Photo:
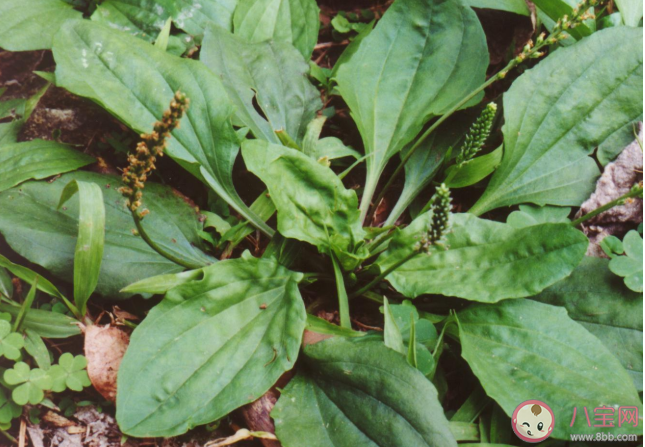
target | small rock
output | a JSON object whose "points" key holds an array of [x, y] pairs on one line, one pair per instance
{"points": [[617, 179]]}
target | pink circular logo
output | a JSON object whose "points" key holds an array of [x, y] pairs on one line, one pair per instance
{"points": [[533, 421]]}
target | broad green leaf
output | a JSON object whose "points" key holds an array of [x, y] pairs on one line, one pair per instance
{"points": [[630, 266], [37, 159], [273, 74], [420, 59], [631, 11], [31, 24], [522, 350], [357, 392], [427, 160], [90, 242], [293, 21], [135, 81], [35, 228], [474, 170], [558, 112], [484, 261], [145, 19], [529, 215], [391, 333], [598, 300], [514, 6], [36, 347], [252, 316], [45, 323], [312, 203]]}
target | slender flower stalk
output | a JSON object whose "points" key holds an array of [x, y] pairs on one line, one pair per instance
{"points": [[142, 162], [635, 192], [530, 51], [440, 204], [477, 135]]}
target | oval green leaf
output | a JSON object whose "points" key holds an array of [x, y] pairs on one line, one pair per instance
{"points": [[273, 74], [601, 303], [522, 350], [31, 24], [136, 81], [420, 59], [357, 392], [558, 112], [210, 347], [485, 261], [37, 159], [293, 21], [312, 202]]}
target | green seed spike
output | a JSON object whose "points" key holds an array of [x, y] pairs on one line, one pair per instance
{"points": [[477, 134], [440, 206]]}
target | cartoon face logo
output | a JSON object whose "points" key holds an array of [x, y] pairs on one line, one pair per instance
{"points": [[533, 421]]}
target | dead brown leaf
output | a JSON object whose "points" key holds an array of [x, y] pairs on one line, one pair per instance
{"points": [[104, 349]]}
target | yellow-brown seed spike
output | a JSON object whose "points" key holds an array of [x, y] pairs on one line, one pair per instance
{"points": [[152, 145]]}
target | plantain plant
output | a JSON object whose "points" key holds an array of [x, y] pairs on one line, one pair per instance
{"points": [[494, 298]]}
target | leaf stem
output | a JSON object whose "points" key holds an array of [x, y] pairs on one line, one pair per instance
{"points": [[380, 277], [635, 192], [9, 437], [343, 301], [157, 248]]}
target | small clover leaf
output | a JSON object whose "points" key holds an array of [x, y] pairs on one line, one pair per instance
{"points": [[31, 383], [69, 373], [630, 266], [8, 409], [612, 246], [10, 342]]}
